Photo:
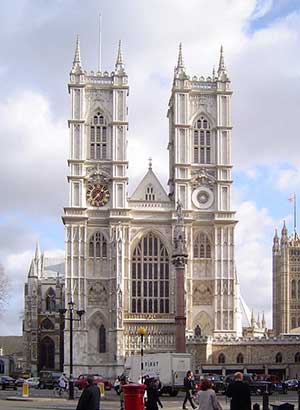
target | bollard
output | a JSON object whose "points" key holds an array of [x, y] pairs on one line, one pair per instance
{"points": [[102, 390], [265, 401], [134, 396], [25, 390], [298, 399]]}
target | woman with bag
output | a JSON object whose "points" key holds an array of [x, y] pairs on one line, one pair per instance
{"points": [[206, 398]]}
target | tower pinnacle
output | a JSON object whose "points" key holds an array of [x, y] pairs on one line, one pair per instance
{"points": [[222, 74], [77, 58], [119, 61], [180, 64]]}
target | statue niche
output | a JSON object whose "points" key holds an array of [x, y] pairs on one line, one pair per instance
{"points": [[97, 294], [203, 294]]}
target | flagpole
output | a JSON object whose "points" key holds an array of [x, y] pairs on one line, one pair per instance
{"points": [[295, 213]]}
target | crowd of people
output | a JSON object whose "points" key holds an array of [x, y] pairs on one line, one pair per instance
{"points": [[204, 399]]}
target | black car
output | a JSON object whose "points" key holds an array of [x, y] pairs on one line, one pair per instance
{"points": [[257, 387], [7, 382]]}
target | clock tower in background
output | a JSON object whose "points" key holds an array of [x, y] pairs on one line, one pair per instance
{"points": [[97, 200]]}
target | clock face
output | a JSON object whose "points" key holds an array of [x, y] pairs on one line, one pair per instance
{"points": [[97, 194], [202, 198]]}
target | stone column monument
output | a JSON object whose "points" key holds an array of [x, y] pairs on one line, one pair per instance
{"points": [[179, 260]]}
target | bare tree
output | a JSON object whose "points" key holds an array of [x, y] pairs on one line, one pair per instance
{"points": [[4, 288]]}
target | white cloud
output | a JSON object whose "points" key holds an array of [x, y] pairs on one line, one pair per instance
{"points": [[262, 8], [254, 234], [288, 179]]}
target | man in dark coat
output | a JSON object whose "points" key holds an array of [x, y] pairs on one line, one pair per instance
{"points": [[189, 389], [239, 392], [90, 397]]}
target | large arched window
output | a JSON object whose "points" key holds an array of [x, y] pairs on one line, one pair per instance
{"points": [[50, 300], [102, 339], [47, 350], [202, 246], [98, 137], [240, 358], [221, 358], [202, 141], [98, 246], [278, 358], [293, 289], [150, 276]]}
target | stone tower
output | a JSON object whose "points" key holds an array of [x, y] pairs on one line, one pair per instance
{"points": [[200, 171], [97, 201], [286, 283]]}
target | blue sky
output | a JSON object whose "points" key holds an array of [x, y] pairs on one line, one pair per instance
{"points": [[261, 42]]}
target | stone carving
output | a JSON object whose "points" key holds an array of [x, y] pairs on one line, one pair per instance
{"points": [[204, 103], [203, 294], [98, 174], [94, 97], [202, 178], [97, 293]]}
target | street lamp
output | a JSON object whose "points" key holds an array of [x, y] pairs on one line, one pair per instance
{"points": [[141, 333], [72, 319]]}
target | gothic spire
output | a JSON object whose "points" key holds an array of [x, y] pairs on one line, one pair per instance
{"points": [[263, 321], [284, 234], [276, 241], [180, 58], [119, 66], [37, 254], [77, 58], [119, 55], [222, 73]]}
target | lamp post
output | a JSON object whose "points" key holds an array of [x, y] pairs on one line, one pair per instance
{"points": [[72, 319], [141, 333]]}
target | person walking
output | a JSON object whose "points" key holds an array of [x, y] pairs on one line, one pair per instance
{"points": [[239, 392], [206, 397], [189, 389], [90, 397], [153, 395]]}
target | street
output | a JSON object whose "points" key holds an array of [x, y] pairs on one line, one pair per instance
{"points": [[45, 399]]}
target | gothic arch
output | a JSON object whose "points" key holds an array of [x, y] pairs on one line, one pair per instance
{"points": [[47, 353], [144, 232], [202, 245], [206, 115], [97, 333], [99, 108], [204, 321]]}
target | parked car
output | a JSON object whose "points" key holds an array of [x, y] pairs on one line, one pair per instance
{"points": [[33, 382], [280, 387], [48, 379], [81, 381], [257, 387], [217, 382], [7, 382], [292, 384], [19, 382]]}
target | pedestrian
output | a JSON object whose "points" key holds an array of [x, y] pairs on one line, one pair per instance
{"points": [[189, 389], [153, 395], [90, 397], [121, 390], [62, 383], [206, 397], [239, 392]]}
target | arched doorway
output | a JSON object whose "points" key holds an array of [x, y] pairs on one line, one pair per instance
{"points": [[47, 353]]}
